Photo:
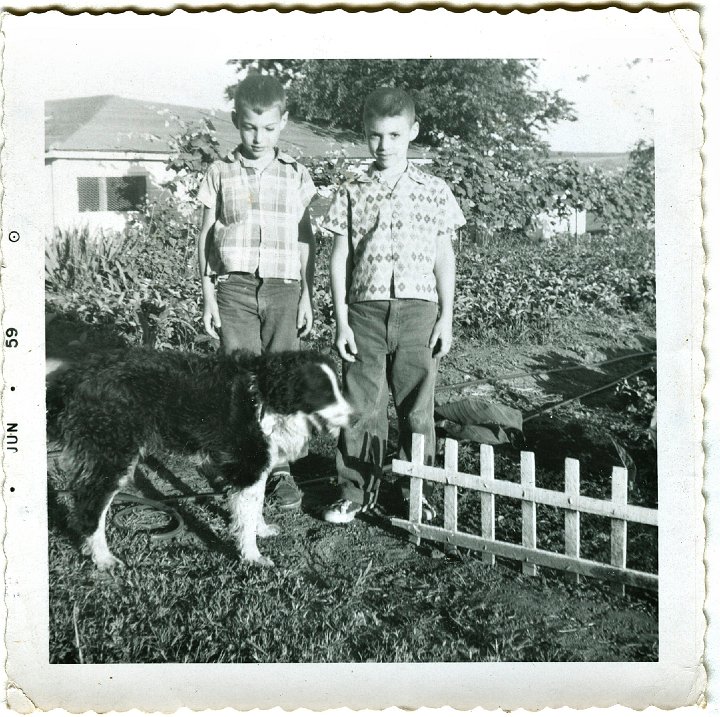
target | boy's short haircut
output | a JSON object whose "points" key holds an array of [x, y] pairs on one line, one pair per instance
{"points": [[260, 93], [389, 102]]}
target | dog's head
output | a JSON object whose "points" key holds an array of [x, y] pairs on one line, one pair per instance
{"points": [[303, 382]]}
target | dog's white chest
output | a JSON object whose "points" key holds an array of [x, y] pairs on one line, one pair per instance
{"points": [[287, 436]]}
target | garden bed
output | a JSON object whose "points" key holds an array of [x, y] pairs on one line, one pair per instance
{"points": [[363, 592]]}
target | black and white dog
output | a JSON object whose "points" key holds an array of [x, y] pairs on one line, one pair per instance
{"points": [[244, 413]]}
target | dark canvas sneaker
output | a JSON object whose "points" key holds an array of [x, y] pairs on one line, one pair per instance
{"points": [[282, 492], [342, 511]]}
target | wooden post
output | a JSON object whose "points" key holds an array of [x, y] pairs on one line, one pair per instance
{"points": [[450, 491], [618, 527], [487, 500], [418, 458], [572, 517], [529, 533]]}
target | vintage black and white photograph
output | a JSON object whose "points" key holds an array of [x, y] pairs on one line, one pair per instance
{"points": [[350, 359]]}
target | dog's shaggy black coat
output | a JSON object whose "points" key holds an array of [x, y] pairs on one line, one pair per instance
{"points": [[110, 409]]}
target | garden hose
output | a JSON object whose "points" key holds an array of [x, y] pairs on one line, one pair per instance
{"points": [[587, 393], [540, 372], [160, 505]]}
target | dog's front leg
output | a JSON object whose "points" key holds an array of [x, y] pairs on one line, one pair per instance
{"points": [[246, 508], [265, 530], [96, 544]]}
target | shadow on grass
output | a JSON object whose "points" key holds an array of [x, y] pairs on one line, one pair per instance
{"points": [[60, 518], [192, 523], [69, 338]]}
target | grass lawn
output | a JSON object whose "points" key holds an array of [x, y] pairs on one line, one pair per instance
{"points": [[362, 592]]}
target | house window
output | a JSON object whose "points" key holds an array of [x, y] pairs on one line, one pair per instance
{"points": [[111, 194]]}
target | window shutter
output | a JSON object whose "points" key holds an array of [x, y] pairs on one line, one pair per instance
{"points": [[88, 194]]}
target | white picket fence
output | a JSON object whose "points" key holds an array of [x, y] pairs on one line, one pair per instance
{"points": [[617, 509]]}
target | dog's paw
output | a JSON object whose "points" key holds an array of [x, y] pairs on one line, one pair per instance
{"points": [[268, 530], [261, 560], [265, 562], [108, 563]]}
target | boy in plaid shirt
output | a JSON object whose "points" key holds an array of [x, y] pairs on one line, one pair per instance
{"points": [[392, 272], [256, 245]]}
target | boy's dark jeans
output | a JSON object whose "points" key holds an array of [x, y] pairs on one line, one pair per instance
{"points": [[258, 315], [392, 341]]}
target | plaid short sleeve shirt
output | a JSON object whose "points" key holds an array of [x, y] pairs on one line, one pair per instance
{"points": [[394, 233], [256, 215]]}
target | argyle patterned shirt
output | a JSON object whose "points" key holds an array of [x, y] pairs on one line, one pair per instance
{"points": [[394, 233], [256, 215]]}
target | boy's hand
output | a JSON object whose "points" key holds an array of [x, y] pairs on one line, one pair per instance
{"points": [[304, 316], [345, 343], [211, 316], [441, 338]]}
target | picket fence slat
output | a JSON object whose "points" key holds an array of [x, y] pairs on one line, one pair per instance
{"points": [[450, 491], [529, 527], [570, 501], [572, 517], [631, 513], [545, 558], [618, 528], [487, 499], [416, 484]]}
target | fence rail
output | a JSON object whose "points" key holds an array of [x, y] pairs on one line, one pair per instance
{"points": [[573, 504]]}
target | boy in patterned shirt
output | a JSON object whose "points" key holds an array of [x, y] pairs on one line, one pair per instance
{"points": [[392, 272], [256, 245]]}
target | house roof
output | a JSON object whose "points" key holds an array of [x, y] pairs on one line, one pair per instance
{"points": [[118, 124]]}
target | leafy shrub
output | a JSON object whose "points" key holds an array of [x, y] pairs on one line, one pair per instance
{"points": [[519, 288], [638, 394], [145, 285], [143, 281], [625, 199], [504, 190], [75, 257], [145, 292]]}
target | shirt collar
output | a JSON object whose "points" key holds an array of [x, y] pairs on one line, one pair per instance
{"points": [[412, 172], [416, 174], [235, 156]]}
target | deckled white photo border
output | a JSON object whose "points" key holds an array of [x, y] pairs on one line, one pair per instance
{"points": [[673, 41]]}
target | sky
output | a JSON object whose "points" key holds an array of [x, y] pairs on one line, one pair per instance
{"points": [[613, 103], [612, 98]]}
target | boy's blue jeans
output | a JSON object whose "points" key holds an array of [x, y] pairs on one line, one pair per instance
{"points": [[392, 340], [258, 315]]}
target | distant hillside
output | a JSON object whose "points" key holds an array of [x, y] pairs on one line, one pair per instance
{"points": [[602, 160]]}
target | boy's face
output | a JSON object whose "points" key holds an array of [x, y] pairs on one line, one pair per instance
{"points": [[259, 133], [388, 139]]}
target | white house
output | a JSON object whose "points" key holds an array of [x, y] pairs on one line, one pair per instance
{"points": [[105, 155]]}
